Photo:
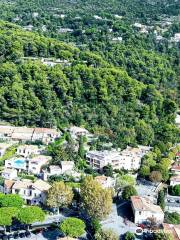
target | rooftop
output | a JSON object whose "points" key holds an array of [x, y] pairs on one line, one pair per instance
{"points": [[175, 178], [40, 158], [25, 183], [78, 129], [175, 167], [8, 183], [67, 163], [172, 229], [144, 204], [9, 170], [41, 185], [33, 147], [105, 153]]}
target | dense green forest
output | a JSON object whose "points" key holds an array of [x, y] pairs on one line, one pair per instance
{"points": [[112, 79]]}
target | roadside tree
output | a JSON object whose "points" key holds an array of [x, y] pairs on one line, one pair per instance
{"points": [[96, 200], [129, 236], [128, 191], [11, 200], [155, 176], [73, 227], [106, 235], [59, 195], [31, 214]]}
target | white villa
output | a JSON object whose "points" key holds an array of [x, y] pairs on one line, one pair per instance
{"points": [[32, 165], [77, 132], [99, 159], [144, 210], [66, 167], [32, 193], [9, 173], [27, 150], [36, 163]]}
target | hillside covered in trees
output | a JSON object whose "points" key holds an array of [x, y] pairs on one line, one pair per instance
{"points": [[125, 94]]}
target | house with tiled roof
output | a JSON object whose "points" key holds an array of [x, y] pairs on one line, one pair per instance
{"points": [[23, 134], [175, 180], [27, 150], [105, 182], [144, 210], [175, 169], [33, 193], [8, 186]]}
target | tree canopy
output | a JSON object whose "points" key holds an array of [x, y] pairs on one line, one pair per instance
{"points": [[96, 200], [73, 227]]}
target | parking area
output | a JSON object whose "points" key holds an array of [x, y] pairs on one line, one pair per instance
{"points": [[121, 218], [147, 189]]}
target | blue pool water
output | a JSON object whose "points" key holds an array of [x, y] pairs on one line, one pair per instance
{"points": [[19, 163]]}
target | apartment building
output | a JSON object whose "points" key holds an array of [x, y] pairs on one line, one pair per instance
{"points": [[129, 159], [99, 159]]}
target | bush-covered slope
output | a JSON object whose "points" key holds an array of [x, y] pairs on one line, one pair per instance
{"points": [[91, 91]]}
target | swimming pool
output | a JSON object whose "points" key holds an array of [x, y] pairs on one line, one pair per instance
{"points": [[19, 163]]}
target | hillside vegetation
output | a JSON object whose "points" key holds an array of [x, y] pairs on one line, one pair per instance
{"points": [[127, 104]]}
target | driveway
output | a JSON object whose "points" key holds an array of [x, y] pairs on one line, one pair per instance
{"points": [[120, 219]]}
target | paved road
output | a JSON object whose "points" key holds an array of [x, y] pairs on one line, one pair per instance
{"points": [[115, 220]]}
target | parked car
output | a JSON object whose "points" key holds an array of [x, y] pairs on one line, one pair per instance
{"points": [[22, 235], [27, 234], [16, 235]]}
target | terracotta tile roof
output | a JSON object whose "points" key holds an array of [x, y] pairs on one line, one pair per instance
{"points": [[23, 130], [6, 129], [175, 167], [26, 183], [40, 158], [175, 178], [8, 184], [45, 130], [22, 136], [172, 229], [144, 204], [41, 185]]}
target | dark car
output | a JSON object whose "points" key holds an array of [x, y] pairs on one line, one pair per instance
{"points": [[22, 235], [5, 237], [27, 234], [10, 236], [16, 236]]}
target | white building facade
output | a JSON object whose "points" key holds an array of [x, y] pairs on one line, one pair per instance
{"points": [[32, 193], [144, 210]]}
